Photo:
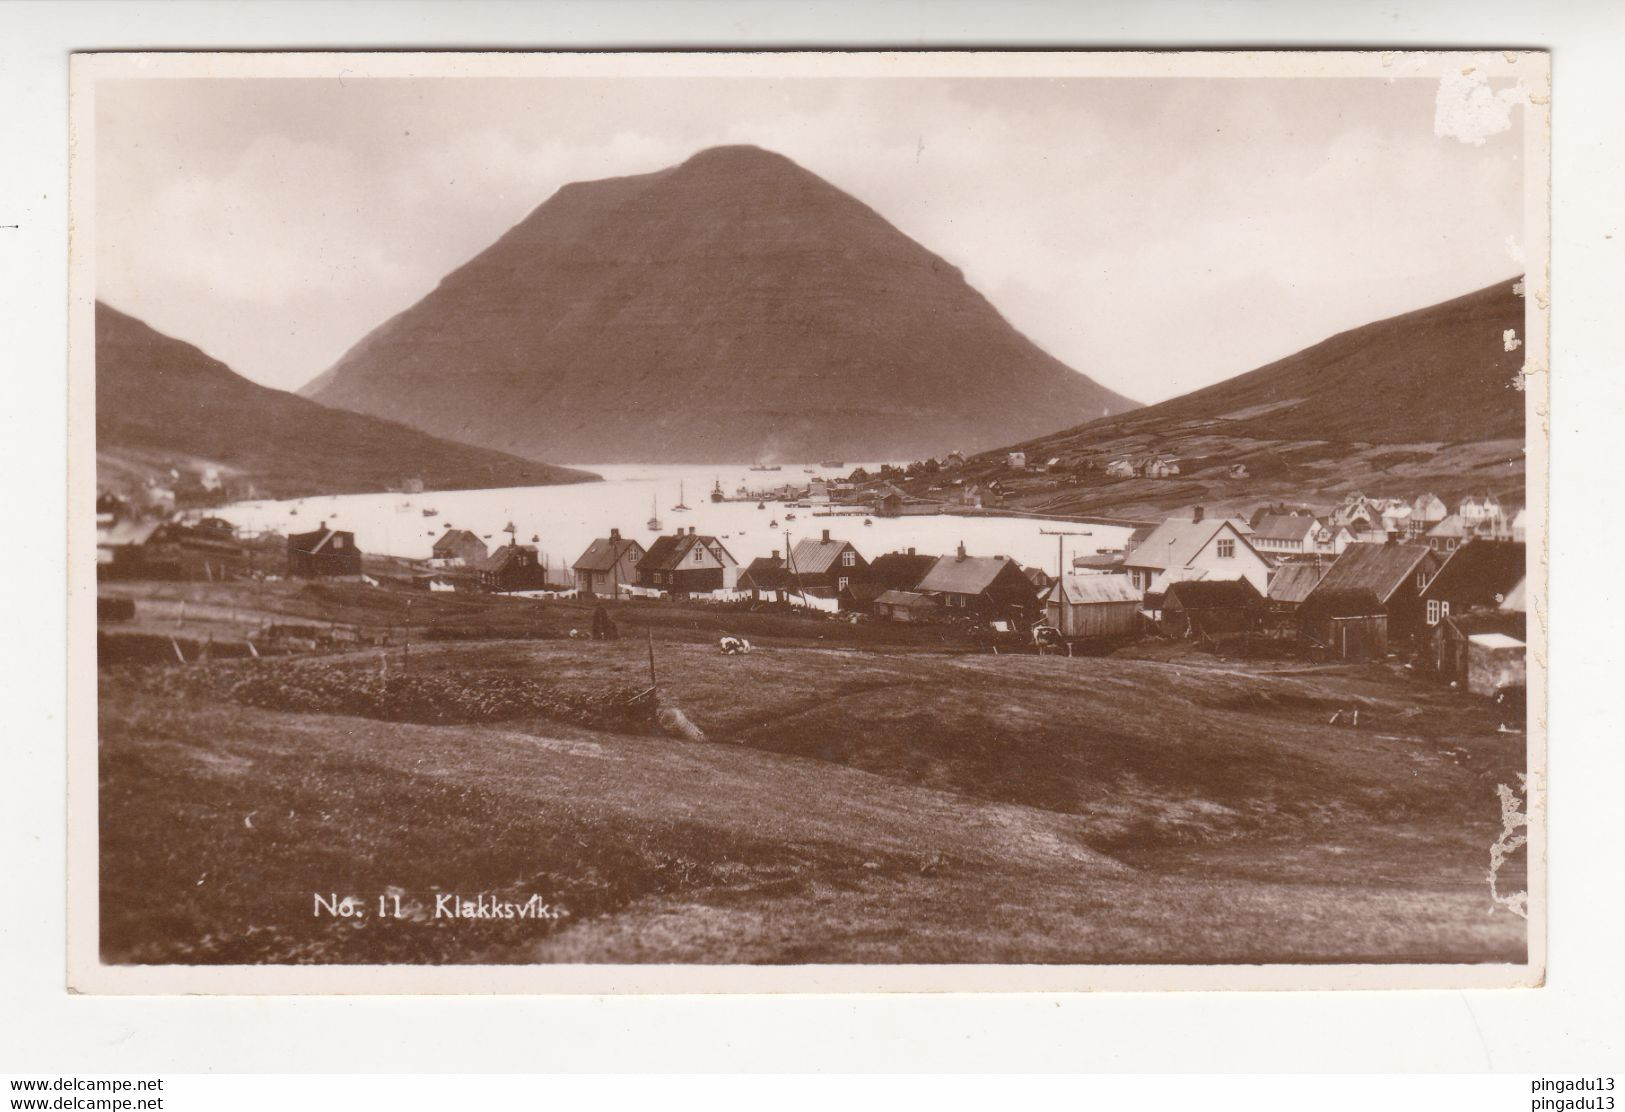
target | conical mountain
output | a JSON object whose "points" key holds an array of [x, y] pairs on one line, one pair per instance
{"points": [[734, 307]]}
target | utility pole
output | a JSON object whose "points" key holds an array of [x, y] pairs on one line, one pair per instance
{"points": [[1060, 536]]}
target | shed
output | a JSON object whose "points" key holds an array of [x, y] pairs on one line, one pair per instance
{"points": [[1495, 661], [905, 606], [322, 552], [1210, 607], [1093, 606], [1349, 621]]}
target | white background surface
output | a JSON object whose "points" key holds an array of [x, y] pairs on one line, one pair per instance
{"points": [[1575, 1023]]}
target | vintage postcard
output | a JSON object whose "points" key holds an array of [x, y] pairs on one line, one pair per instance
{"points": [[808, 521]]}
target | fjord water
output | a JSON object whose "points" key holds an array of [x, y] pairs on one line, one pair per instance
{"points": [[566, 518]]}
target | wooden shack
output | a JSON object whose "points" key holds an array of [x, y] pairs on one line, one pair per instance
{"points": [[323, 552], [1085, 606], [1210, 607], [1348, 622]]}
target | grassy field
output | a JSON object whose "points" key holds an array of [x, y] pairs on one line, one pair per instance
{"points": [[848, 806]]}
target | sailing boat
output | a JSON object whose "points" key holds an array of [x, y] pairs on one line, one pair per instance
{"points": [[654, 518], [680, 507]]}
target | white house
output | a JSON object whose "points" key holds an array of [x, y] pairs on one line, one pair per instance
{"points": [[1285, 534], [1195, 547], [1331, 540]]}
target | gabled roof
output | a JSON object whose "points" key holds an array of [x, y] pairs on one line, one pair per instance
{"points": [[767, 573], [1138, 536], [1292, 582], [1086, 590], [1284, 527], [667, 553], [903, 598], [902, 570], [1342, 602], [966, 575], [501, 557], [1452, 526], [1478, 571], [605, 552], [814, 556], [864, 590], [1515, 598], [1380, 568], [1205, 594], [455, 536], [317, 539], [1177, 541], [664, 553]]}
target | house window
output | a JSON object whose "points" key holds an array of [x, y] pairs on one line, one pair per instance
{"points": [[1421, 580], [699, 554], [840, 584], [848, 558], [1227, 549], [1437, 611]]}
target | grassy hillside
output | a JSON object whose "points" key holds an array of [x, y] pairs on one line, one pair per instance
{"points": [[847, 806], [162, 403], [1442, 373], [1426, 401]]}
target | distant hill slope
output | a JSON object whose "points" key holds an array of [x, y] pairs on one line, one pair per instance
{"points": [[160, 399], [735, 307], [1440, 373], [1423, 401]]}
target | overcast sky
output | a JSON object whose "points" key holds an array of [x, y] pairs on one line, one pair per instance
{"points": [[1158, 235]]}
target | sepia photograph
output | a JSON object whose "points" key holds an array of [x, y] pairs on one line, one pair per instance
{"points": [[624, 522]]}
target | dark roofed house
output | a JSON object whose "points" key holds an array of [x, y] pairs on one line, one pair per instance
{"points": [[458, 548], [513, 567], [990, 587], [1478, 575], [766, 575], [901, 571], [1395, 573], [608, 564], [688, 563], [322, 552], [1349, 621], [825, 567], [1210, 607]]}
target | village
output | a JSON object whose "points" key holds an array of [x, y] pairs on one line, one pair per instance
{"points": [[1439, 587]]}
